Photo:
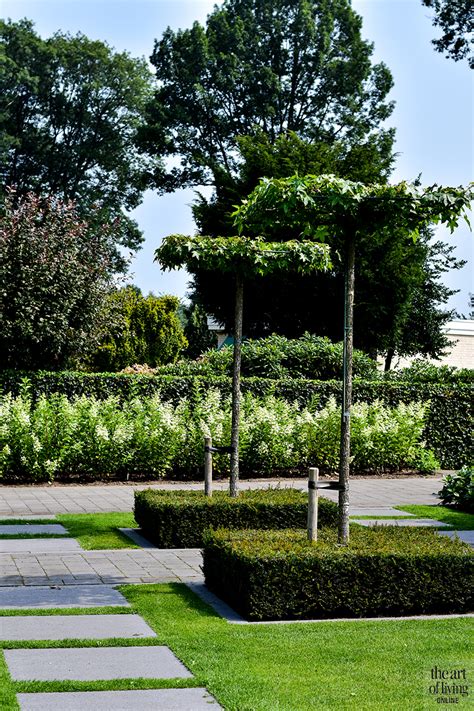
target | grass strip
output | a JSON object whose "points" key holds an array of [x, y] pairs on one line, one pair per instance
{"points": [[457, 519], [8, 700], [47, 612], [98, 531], [38, 687], [78, 643], [305, 666]]}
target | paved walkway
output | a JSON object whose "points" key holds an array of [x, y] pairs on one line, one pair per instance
{"points": [[50, 500]]}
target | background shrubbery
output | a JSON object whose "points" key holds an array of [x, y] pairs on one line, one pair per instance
{"points": [[448, 422], [458, 490], [148, 436]]}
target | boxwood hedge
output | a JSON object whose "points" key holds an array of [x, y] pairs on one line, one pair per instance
{"points": [[179, 519], [448, 429], [279, 575]]}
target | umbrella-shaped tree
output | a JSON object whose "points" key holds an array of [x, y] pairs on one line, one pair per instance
{"points": [[241, 257], [319, 207]]}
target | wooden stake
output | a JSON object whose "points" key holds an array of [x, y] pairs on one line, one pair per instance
{"points": [[313, 504], [207, 466]]}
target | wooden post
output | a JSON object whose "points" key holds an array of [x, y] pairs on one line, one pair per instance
{"points": [[313, 504], [207, 466]]}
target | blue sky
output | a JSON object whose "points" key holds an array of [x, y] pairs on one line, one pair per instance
{"points": [[434, 114]]}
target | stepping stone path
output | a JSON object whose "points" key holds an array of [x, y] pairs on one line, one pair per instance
{"points": [[83, 663], [414, 522]]}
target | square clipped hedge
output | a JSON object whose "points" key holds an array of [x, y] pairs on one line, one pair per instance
{"points": [[178, 519], [279, 575]]}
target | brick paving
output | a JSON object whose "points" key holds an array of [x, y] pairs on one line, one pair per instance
{"points": [[51, 500]]}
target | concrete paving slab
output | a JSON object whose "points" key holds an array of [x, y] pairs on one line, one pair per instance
{"points": [[135, 536], [94, 664], [14, 598], [377, 511], [39, 545], [31, 529], [414, 522], [148, 700], [73, 627], [466, 536]]}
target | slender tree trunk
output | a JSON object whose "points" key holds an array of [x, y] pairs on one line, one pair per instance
{"points": [[388, 359], [234, 457], [345, 451]]}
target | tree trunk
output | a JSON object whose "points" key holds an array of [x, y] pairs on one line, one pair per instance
{"points": [[345, 451], [234, 457], [388, 359]]}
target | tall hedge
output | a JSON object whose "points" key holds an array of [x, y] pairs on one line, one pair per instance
{"points": [[448, 430]]}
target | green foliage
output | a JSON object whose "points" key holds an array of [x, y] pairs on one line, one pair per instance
{"points": [[455, 18], [422, 371], [447, 430], [178, 519], [70, 109], [252, 257], [321, 206], [196, 331], [309, 357], [458, 489], [268, 575], [271, 66], [55, 271], [58, 437], [147, 330]]}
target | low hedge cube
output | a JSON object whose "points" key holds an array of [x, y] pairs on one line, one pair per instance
{"points": [[178, 519], [384, 571]]}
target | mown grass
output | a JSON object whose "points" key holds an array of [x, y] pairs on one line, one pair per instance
{"points": [[366, 665], [457, 519], [95, 531]]}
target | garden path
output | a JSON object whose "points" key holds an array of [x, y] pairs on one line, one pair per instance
{"points": [[46, 500]]}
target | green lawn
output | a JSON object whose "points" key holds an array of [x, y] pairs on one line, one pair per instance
{"points": [[457, 519], [291, 667], [96, 531]]}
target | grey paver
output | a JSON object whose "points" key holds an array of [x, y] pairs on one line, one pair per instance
{"points": [[39, 545], [12, 598], [45, 500], [414, 522], [42, 627], [377, 511], [135, 536], [94, 663], [32, 529], [466, 536], [149, 700]]}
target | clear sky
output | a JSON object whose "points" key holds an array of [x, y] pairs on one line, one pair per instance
{"points": [[434, 114]]}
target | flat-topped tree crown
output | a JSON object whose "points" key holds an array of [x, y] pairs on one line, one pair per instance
{"points": [[317, 206], [242, 255]]}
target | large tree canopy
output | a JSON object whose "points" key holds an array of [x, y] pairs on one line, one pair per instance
{"points": [[69, 111], [455, 18], [55, 271], [271, 66]]}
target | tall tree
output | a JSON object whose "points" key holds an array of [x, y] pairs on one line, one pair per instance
{"points": [[55, 271], [271, 66], [455, 18], [70, 108]]}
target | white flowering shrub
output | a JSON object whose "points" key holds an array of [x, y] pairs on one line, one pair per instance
{"points": [[147, 436]]}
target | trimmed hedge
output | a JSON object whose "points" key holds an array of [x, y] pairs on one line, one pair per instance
{"points": [[279, 575], [448, 430], [178, 519]]}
